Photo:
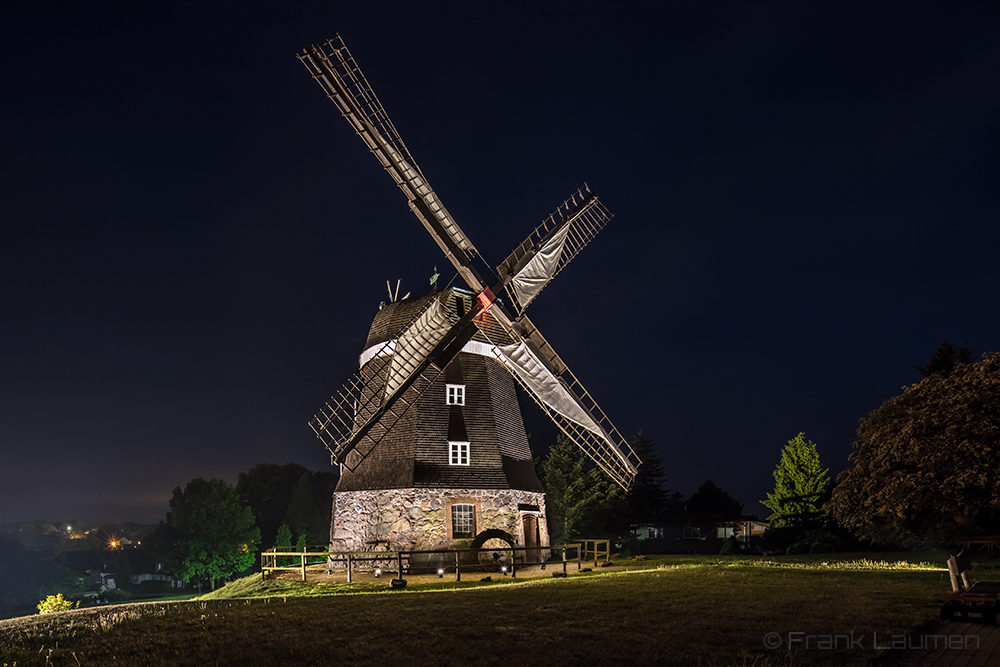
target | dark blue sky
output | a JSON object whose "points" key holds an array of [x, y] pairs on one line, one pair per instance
{"points": [[195, 242]]}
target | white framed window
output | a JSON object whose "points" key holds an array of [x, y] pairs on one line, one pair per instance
{"points": [[463, 521], [458, 453], [455, 394]]}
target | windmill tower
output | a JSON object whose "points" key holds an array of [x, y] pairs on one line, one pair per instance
{"points": [[428, 434]]}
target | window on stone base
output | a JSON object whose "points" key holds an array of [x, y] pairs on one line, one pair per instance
{"points": [[463, 521]]}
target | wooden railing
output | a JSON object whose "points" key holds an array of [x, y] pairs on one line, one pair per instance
{"points": [[290, 558]]}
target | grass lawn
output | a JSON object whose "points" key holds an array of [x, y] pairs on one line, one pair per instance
{"points": [[666, 611]]}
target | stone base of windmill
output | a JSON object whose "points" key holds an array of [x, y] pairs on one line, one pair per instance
{"points": [[425, 519]]}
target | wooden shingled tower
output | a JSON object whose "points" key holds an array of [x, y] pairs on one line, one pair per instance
{"points": [[428, 434]]}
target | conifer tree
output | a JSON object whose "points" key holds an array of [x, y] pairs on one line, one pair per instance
{"points": [[647, 497], [800, 485], [579, 499]]}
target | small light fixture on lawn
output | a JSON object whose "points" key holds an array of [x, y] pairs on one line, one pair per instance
{"points": [[440, 573], [378, 573]]}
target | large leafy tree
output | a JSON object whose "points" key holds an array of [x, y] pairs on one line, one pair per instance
{"points": [[801, 485], [208, 533], [580, 501], [927, 463]]}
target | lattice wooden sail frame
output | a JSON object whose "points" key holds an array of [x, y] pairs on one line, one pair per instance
{"points": [[579, 219]]}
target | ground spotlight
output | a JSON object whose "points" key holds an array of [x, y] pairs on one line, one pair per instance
{"points": [[378, 573], [440, 573]]}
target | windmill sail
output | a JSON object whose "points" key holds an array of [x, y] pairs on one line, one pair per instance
{"points": [[551, 246], [334, 68], [415, 345], [355, 419], [540, 381], [376, 396], [394, 376], [565, 400]]}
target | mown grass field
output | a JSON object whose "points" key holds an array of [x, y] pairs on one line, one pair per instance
{"points": [[666, 611]]}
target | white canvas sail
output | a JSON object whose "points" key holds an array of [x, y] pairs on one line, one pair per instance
{"points": [[415, 343], [547, 386], [537, 273]]}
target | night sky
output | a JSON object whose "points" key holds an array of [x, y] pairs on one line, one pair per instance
{"points": [[195, 242]]}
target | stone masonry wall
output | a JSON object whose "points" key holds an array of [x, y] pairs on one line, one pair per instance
{"points": [[403, 519]]}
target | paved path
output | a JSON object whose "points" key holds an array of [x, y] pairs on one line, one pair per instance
{"points": [[948, 644]]}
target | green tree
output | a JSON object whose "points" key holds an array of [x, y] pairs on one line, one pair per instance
{"points": [[208, 533], [283, 542], [927, 463], [284, 536], [800, 485], [278, 494], [580, 501], [267, 488], [303, 515]]}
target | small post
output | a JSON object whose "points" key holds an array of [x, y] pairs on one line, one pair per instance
{"points": [[579, 555], [348, 568], [513, 567], [564, 558], [458, 566], [399, 564], [303, 557]]}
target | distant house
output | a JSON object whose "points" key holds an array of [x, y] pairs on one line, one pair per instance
{"points": [[692, 536]]}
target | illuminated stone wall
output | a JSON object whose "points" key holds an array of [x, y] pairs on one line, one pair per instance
{"points": [[405, 519]]}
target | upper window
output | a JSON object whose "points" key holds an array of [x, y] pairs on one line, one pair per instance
{"points": [[456, 394], [458, 454], [463, 521]]}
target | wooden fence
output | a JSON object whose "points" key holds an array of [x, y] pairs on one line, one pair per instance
{"points": [[299, 559]]}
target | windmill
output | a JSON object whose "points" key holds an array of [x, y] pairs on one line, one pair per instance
{"points": [[396, 427]]}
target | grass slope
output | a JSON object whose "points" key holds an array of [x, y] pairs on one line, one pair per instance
{"points": [[681, 611]]}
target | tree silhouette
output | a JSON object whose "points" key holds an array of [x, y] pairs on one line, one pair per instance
{"points": [[647, 498], [945, 358], [710, 503]]}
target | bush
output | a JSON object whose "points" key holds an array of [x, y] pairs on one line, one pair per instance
{"points": [[797, 549], [822, 548], [779, 539], [154, 586], [115, 595], [54, 603], [730, 547]]}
